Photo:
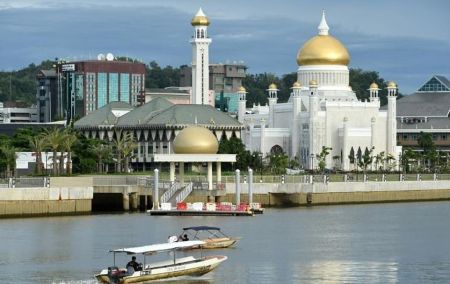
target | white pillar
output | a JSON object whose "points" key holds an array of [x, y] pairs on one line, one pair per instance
{"points": [[172, 172], [181, 169], [238, 187], [219, 172], [250, 186], [156, 190], [262, 132], [210, 177], [345, 149]]}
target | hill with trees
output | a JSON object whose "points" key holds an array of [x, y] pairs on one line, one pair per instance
{"points": [[20, 85]]}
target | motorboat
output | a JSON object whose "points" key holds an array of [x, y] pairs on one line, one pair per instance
{"points": [[185, 266], [212, 237]]}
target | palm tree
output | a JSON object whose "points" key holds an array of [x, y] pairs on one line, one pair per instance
{"points": [[54, 139], [37, 144], [379, 160], [103, 152], [9, 153], [125, 146], [68, 141]]}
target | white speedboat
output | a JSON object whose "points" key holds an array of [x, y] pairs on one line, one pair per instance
{"points": [[213, 237], [186, 266]]}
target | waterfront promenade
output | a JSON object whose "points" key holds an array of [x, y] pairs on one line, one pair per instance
{"points": [[81, 195]]}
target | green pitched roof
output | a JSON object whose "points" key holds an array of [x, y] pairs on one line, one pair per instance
{"points": [[182, 115], [106, 115], [143, 114]]}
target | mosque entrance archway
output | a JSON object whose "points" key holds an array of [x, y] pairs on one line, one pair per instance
{"points": [[276, 150]]}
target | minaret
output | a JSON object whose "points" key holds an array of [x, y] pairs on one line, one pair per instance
{"points": [[296, 109], [200, 59], [373, 92], [272, 90], [391, 142], [313, 109], [242, 102]]}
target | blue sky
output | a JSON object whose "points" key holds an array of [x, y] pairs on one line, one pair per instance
{"points": [[405, 41]]}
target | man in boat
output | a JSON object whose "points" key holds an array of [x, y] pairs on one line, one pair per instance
{"points": [[133, 264], [184, 237]]}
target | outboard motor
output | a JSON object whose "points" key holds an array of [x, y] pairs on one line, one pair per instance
{"points": [[114, 274]]}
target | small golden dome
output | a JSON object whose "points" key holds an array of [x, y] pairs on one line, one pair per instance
{"points": [[391, 84], [373, 86], [242, 90], [195, 140], [313, 83], [200, 19], [323, 50], [296, 85], [272, 86]]}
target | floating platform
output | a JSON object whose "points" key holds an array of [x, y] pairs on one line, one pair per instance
{"points": [[199, 213], [257, 210]]}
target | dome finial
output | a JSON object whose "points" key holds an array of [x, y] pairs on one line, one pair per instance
{"points": [[323, 26]]}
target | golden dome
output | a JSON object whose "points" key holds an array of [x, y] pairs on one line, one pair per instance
{"points": [[296, 85], [200, 19], [391, 84], [313, 83], [323, 50], [242, 90], [195, 140], [272, 86], [373, 86]]}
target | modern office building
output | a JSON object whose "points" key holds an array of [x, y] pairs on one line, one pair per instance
{"points": [[427, 110], [222, 77], [91, 84], [48, 100], [12, 113]]}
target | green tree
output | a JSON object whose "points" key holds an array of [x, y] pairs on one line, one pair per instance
{"points": [[54, 139], [37, 145], [366, 159], [9, 154], [68, 141], [322, 156]]}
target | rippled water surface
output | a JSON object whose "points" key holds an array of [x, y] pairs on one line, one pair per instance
{"points": [[381, 243]]}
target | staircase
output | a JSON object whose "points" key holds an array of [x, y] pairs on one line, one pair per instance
{"points": [[179, 194]]}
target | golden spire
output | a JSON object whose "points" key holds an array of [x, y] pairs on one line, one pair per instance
{"points": [[200, 19]]}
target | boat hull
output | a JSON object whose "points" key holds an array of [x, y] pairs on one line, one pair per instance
{"points": [[194, 269], [218, 243]]}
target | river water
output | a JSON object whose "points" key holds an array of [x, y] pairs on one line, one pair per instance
{"points": [[377, 243]]}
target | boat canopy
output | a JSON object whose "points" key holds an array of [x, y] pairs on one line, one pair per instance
{"points": [[158, 247], [201, 228]]}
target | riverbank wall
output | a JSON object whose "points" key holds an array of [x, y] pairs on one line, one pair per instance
{"points": [[66, 196], [277, 194]]}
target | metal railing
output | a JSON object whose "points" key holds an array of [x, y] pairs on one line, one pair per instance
{"points": [[184, 193], [169, 193], [24, 182]]}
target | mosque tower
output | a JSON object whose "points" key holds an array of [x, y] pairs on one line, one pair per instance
{"points": [[324, 59], [200, 59]]}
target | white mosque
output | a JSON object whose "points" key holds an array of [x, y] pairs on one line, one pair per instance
{"points": [[321, 111]]}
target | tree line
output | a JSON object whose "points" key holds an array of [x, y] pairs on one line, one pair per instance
{"points": [[21, 85], [71, 152]]}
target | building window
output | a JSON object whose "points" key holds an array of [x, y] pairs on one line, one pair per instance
{"points": [[113, 87], [444, 136], [101, 89], [125, 88], [405, 137]]}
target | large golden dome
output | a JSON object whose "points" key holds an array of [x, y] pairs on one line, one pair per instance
{"points": [[323, 49], [195, 140]]}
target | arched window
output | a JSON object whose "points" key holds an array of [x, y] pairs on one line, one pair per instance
{"points": [[203, 34], [198, 33]]}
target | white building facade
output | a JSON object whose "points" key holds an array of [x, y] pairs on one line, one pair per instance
{"points": [[322, 111]]}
